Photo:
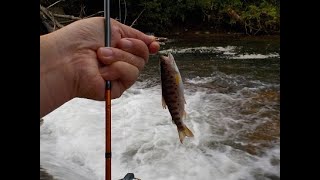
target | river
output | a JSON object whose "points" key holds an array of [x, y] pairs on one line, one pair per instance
{"points": [[232, 90]]}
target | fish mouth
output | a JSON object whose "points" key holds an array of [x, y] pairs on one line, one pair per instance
{"points": [[167, 59], [164, 58]]}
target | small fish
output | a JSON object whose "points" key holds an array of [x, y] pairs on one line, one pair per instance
{"points": [[172, 94]]}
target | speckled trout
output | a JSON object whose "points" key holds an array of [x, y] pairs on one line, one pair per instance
{"points": [[172, 94]]}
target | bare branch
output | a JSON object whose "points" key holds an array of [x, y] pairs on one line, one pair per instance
{"points": [[49, 15], [45, 22], [67, 21], [125, 12], [204, 12], [54, 4], [137, 17], [257, 31], [99, 12], [82, 11], [67, 16]]}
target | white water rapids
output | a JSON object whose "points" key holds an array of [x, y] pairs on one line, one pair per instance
{"points": [[145, 141]]}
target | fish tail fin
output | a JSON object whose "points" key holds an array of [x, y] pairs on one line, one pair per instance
{"points": [[183, 132]]}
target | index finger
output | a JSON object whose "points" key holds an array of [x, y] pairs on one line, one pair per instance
{"points": [[129, 32]]}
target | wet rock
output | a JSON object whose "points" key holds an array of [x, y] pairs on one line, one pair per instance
{"points": [[44, 175]]}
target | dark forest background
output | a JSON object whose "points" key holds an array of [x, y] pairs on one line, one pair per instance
{"points": [[165, 17]]}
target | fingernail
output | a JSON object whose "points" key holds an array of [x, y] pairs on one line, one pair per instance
{"points": [[106, 52], [126, 43]]}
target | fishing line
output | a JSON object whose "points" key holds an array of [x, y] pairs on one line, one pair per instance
{"points": [[124, 119], [125, 141], [119, 6]]}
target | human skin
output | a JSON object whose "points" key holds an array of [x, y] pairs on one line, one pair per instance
{"points": [[75, 63]]}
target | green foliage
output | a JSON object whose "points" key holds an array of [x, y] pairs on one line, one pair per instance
{"points": [[261, 17], [167, 16]]}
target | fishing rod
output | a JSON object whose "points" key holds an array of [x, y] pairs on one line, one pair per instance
{"points": [[107, 95], [129, 176]]}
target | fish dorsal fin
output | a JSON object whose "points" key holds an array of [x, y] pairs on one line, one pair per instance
{"points": [[164, 105]]}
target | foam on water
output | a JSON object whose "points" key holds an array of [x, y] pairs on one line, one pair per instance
{"points": [[255, 56], [229, 52], [145, 141]]}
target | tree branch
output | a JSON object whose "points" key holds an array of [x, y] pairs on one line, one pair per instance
{"points": [[45, 22], [137, 17], [67, 16], [99, 12], [49, 15], [54, 4], [125, 12]]}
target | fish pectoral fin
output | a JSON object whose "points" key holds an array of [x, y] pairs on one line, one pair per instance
{"points": [[184, 115], [184, 132], [177, 77], [164, 105]]}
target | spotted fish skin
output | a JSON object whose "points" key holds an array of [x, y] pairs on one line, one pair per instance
{"points": [[173, 94]]}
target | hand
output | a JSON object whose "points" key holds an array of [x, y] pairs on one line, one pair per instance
{"points": [[75, 63]]}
